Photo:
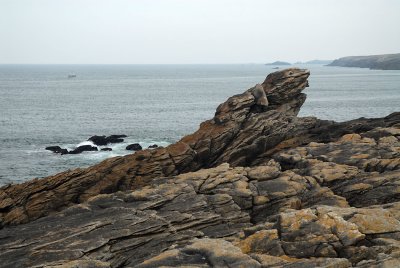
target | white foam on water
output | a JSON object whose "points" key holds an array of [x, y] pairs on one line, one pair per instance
{"points": [[118, 149], [86, 143]]}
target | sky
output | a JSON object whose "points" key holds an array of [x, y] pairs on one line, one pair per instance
{"points": [[194, 31]]}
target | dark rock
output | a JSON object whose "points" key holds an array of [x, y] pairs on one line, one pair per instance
{"points": [[98, 140], [134, 147], [115, 138], [153, 146], [103, 140], [106, 149], [64, 151], [54, 149], [83, 148], [57, 149]]}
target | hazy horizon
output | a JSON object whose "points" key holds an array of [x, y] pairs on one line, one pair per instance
{"points": [[194, 32]]}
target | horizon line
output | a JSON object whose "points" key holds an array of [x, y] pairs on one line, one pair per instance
{"points": [[238, 63]]}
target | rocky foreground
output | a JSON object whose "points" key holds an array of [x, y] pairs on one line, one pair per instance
{"points": [[256, 186]]}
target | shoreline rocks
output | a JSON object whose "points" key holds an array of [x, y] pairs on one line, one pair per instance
{"points": [[134, 147], [255, 186], [104, 140], [83, 148], [54, 149], [97, 140]]}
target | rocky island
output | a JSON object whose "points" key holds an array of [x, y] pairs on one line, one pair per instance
{"points": [[255, 186], [376, 62], [279, 63]]}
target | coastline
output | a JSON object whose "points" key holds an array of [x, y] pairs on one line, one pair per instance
{"points": [[239, 183]]}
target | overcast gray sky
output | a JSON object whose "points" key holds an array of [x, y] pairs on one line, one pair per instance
{"points": [[195, 31]]}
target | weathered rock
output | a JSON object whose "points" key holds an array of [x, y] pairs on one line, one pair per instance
{"points": [[156, 225], [256, 186], [134, 147], [203, 253]]}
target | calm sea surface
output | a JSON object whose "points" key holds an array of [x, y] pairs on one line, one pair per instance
{"points": [[40, 106]]}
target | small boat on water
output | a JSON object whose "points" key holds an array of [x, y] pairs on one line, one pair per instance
{"points": [[71, 75]]}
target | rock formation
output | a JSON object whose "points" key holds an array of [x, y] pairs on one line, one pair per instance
{"points": [[134, 147], [104, 140], [255, 186]]}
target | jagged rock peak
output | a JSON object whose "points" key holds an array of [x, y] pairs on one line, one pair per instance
{"points": [[277, 91]]}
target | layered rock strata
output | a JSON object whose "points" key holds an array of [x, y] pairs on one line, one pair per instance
{"points": [[256, 186]]}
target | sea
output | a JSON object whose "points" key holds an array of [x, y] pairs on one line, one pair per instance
{"points": [[151, 104]]}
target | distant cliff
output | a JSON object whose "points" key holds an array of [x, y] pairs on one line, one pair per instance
{"points": [[377, 62]]}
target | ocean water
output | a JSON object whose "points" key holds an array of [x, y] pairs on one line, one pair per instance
{"points": [[40, 106]]}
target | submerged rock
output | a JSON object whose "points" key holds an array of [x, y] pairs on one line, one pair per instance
{"points": [[64, 151], [83, 148], [57, 149], [153, 146], [104, 140], [134, 147], [255, 186], [106, 149], [98, 140], [54, 149]]}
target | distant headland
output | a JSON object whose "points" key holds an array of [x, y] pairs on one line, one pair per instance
{"points": [[315, 62], [280, 63], [283, 63], [376, 62]]}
